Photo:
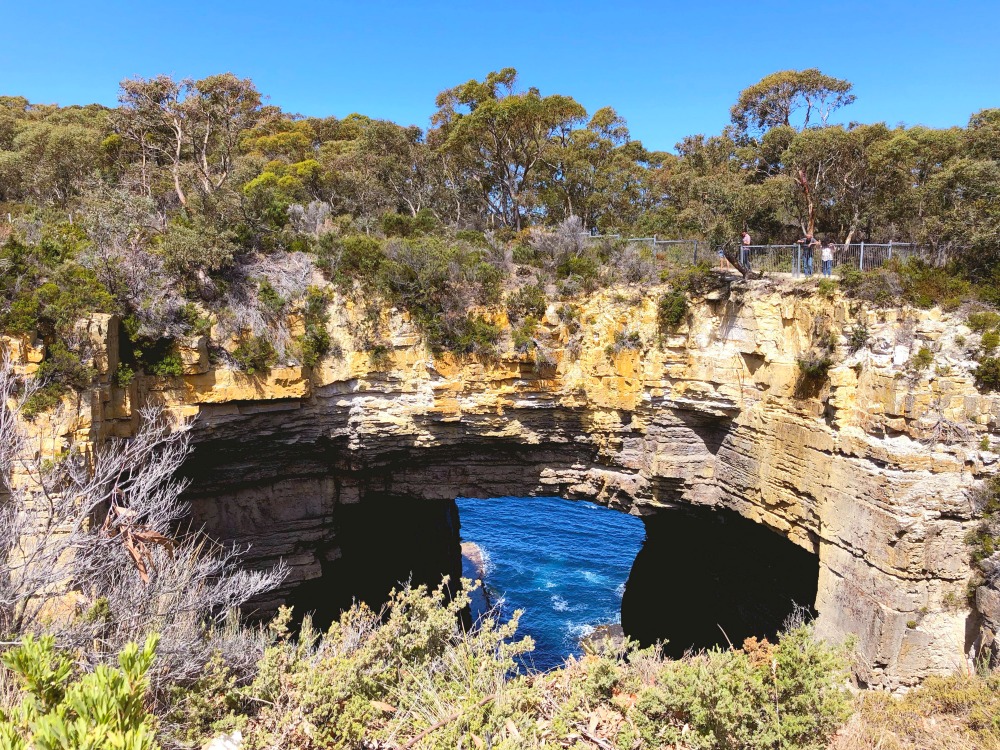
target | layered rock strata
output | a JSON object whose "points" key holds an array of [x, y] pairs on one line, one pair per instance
{"points": [[866, 463]]}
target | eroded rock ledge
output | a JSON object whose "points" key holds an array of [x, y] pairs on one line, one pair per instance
{"points": [[869, 468]]}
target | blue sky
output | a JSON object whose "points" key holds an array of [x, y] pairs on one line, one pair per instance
{"points": [[670, 68]]}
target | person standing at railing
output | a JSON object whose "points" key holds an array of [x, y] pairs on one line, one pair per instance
{"points": [[826, 254], [808, 248], [745, 248]]}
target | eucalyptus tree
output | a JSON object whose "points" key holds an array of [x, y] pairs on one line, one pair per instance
{"points": [[499, 135], [193, 128], [774, 100]]}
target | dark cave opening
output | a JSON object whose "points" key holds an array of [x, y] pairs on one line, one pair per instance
{"points": [[384, 541], [709, 577], [704, 577]]}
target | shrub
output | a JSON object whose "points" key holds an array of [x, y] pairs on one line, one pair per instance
{"points": [[923, 359], [523, 336], [700, 278], [124, 375], [102, 709], [956, 711], [269, 298], [169, 366], [990, 341], [983, 321], [826, 288], [987, 374], [913, 281], [529, 300], [858, 339], [255, 355], [476, 335], [624, 341], [815, 366], [315, 342], [62, 369], [671, 310]]}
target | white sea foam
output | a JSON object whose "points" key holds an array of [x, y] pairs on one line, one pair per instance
{"points": [[559, 604], [578, 630], [620, 590], [593, 577]]}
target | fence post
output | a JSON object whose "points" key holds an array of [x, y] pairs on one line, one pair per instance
{"points": [[890, 249], [695, 260], [861, 257]]}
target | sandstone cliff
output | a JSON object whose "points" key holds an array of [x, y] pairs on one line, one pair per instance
{"points": [[867, 466]]}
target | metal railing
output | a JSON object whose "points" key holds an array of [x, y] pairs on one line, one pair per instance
{"points": [[793, 259]]}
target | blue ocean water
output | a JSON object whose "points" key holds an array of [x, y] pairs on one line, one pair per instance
{"points": [[563, 562]]}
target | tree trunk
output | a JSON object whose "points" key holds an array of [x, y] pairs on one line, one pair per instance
{"points": [[733, 257], [810, 206]]}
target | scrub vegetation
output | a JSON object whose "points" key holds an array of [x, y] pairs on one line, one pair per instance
{"points": [[194, 208]]}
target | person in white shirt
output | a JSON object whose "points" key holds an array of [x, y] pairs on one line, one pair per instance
{"points": [[826, 254]]}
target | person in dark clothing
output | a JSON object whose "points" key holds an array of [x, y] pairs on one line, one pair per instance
{"points": [[808, 248]]}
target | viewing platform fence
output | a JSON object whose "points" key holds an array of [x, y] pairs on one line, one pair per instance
{"points": [[792, 259]]}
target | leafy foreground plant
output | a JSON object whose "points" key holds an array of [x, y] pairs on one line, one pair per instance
{"points": [[102, 710], [412, 678]]}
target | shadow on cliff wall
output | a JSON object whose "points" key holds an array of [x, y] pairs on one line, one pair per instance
{"points": [[708, 577], [384, 541]]}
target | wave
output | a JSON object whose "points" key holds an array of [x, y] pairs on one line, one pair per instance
{"points": [[576, 631]]}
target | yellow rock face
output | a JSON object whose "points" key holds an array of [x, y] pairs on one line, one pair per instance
{"points": [[866, 463]]}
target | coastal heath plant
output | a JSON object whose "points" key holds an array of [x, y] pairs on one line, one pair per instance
{"points": [[102, 710]]}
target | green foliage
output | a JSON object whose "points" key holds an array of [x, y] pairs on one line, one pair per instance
{"points": [[101, 710], [255, 355], [354, 256], [124, 375], [404, 225], [983, 321], [916, 282], [371, 677], [624, 341], [826, 288], [987, 374], [923, 359], [813, 370], [528, 301], [315, 342], [697, 279], [270, 299], [169, 366], [475, 335], [764, 696], [414, 673], [858, 339], [671, 310], [61, 370], [990, 341]]}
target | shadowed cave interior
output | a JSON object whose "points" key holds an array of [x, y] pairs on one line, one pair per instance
{"points": [[703, 577]]}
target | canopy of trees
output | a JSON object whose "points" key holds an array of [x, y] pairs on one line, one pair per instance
{"points": [[182, 201]]}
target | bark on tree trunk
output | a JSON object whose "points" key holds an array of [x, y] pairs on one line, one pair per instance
{"points": [[729, 250]]}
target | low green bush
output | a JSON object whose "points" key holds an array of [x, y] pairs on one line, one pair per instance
{"points": [[671, 311], [983, 321], [170, 365], [101, 710], [858, 339], [987, 374], [529, 300], [61, 370], [923, 359], [411, 676], [990, 340], [255, 355]]}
